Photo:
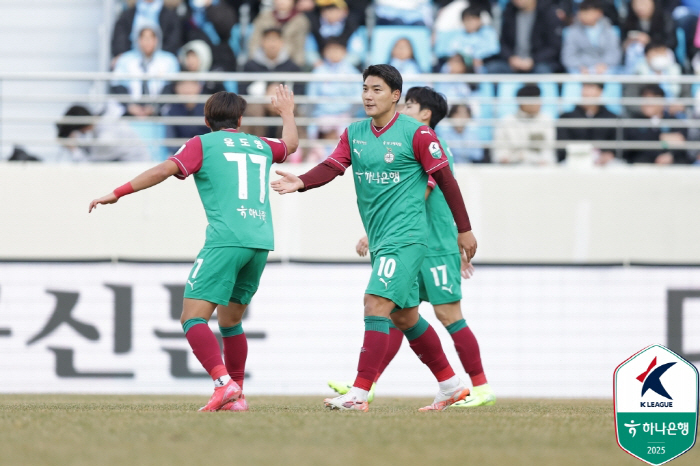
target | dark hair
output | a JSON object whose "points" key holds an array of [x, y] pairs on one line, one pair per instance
{"points": [[224, 109], [428, 98], [334, 40], [654, 45], [529, 90], [657, 22], [388, 73], [653, 89], [454, 109], [269, 31], [597, 84], [472, 10], [65, 129], [410, 44], [591, 5]]}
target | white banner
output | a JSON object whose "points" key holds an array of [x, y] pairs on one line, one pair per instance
{"points": [[543, 331]]}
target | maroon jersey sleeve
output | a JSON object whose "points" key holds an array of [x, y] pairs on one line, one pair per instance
{"points": [[341, 155], [189, 158], [453, 196], [279, 149], [427, 150]]}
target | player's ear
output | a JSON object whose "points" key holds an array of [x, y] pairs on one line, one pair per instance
{"points": [[396, 96]]}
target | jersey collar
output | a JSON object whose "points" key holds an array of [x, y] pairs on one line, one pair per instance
{"points": [[230, 130], [379, 132]]}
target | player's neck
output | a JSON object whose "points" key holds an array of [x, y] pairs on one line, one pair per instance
{"points": [[380, 121]]}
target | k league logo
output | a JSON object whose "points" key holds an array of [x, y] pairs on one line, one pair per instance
{"points": [[656, 405]]}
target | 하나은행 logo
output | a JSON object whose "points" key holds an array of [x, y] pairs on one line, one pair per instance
{"points": [[655, 395]]}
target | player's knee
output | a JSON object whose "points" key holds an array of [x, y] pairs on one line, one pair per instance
{"points": [[448, 313], [378, 306]]}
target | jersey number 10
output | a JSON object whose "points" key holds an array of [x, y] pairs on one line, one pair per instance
{"points": [[242, 160]]}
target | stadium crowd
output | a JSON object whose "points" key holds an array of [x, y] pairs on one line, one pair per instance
{"points": [[584, 37]]}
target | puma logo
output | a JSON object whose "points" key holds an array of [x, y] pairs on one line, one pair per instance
{"points": [[424, 132], [357, 152], [386, 283], [448, 289], [192, 284]]}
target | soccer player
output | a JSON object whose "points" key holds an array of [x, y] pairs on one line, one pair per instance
{"points": [[231, 171], [439, 278], [391, 156]]}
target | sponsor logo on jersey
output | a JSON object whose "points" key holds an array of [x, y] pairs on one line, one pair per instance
{"points": [[434, 149], [389, 156], [392, 143], [656, 405], [357, 141]]}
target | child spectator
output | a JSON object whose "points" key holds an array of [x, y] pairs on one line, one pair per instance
{"points": [[185, 109], [645, 23], [589, 110], [591, 45], [402, 57], [331, 18], [293, 24], [334, 62], [196, 57], [149, 60], [271, 57], [212, 21], [478, 41], [462, 136], [527, 137], [530, 38], [455, 90], [672, 139], [659, 60], [403, 12], [146, 12]]}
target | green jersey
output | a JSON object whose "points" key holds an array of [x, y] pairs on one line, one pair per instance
{"points": [[390, 168], [442, 230], [231, 171]]}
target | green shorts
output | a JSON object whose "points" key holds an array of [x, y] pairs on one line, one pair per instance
{"points": [[226, 274], [440, 279], [394, 272]]}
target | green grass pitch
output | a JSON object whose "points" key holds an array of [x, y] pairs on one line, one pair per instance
{"points": [[75, 430]]}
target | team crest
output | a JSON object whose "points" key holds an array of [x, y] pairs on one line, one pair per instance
{"points": [[389, 156]]}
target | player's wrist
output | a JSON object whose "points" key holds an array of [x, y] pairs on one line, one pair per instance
{"points": [[123, 190]]}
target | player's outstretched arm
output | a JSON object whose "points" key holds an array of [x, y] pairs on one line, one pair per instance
{"points": [[289, 183], [145, 180], [283, 101], [362, 246]]}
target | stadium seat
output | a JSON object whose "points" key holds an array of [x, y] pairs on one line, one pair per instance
{"points": [[384, 38], [507, 104], [485, 94], [571, 95], [443, 42], [680, 48], [152, 133], [358, 46]]}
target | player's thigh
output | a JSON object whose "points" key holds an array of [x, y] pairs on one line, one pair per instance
{"points": [[440, 279], [248, 278], [214, 272], [394, 272]]}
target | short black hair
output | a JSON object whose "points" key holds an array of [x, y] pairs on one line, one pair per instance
{"points": [[65, 129], [591, 5], [224, 109], [597, 84], [472, 10], [529, 90], [388, 73], [454, 109], [654, 89], [428, 98], [334, 40], [654, 45], [269, 31]]}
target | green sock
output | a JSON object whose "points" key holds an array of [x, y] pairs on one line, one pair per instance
{"points": [[377, 324], [231, 331], [189, 323], [417, 330], [455, 327]]}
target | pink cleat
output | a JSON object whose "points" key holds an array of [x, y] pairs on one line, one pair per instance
{"points": [[443, 400], [239, 405], [222, 395]]}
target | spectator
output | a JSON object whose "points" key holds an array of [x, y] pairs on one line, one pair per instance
{"points": [[456, 90], [211, 21], [334, 62], [448, 18], [530, 38], [462, 135], [402, 57], [294, 26], [332, 18], [107, 129], [588, 110], [403, 12], [196, 57], [527, 137], [186, 109], [149, 60], [271, 57], [478, 41], [686, 16], [591, 45], [146, 12], [645, 23], [672, 139], [659, 60], [567, 10]]}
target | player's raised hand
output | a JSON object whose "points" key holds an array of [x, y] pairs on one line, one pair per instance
{"points": [[467, 268], [283, 100], [467, 244], [289, 183], [362, 246], [110, 198]]}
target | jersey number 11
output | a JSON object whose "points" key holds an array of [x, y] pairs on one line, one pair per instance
{"points": [[242, 160]]}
